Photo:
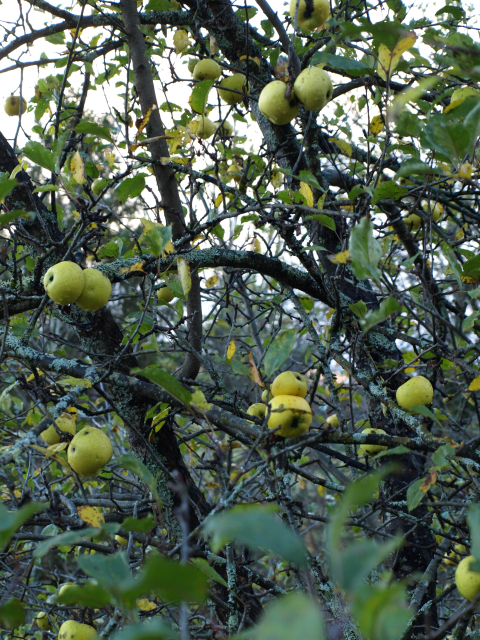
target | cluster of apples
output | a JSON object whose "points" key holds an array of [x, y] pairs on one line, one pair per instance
{"points": [[66, 282], [290, 414], [90, 449]]}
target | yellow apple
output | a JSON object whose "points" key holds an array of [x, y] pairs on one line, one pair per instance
{"points": [[65, 422], [275, 106], [65, 587], [371, 449], [234, 172], [258, 410], [165, 294], [415, 392], [205, 129], [96, 292], [333, 421], [71, 630], [89, 451], [453, 557], [307, 18], [64, 282], [467, 581], [465, 171], [291, 413], [207, 69], [224, 128], [313, 88], [289, 383], [434, 210], [12, 106], [43, 621], [229, 85]]}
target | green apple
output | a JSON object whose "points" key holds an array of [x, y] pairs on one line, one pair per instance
{"points": [[275, 106], [291, 413], [71, 630], [89, 451], [415, 392], [65, 422], [333, 421], [64, 282], [371, 449], [43, 621], [207, 69], [165, 294], [313, 88], [205, 129], [12, 106], [96, 292], [310, 15], [229, 85], [65, 587], [289, 383], [266, 395], [258, 410], [224, 128], [467, 580]]}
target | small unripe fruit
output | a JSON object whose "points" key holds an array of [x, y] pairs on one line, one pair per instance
{"points": [[307, 18], [258, 410], [275, 106], [313, 88], [12, 105], [205, 129], [165, 294], [207, 69], [65, 422], [43, 622], [231, 84], [224, 128]]}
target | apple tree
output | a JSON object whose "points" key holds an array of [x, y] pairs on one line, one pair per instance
{"points": [[260, 189]]}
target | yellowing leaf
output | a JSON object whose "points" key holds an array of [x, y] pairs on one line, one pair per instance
{"points": [[218, 200], [138, 266], [301, 482], [231, 349], [91, 515], [276, 179], [157, 421], [475, 384], [257, 246], [340, 258], [76, 382], [254, 371], [199, 400], [76, 214], [465, 171], [110, 158], [181, 41], [344, 147], [429, 481], [211, 282], [257, 60], [410, 370], [56, 448], [32, 376], [388, 60], [184, 274], [461, 233], [321, 490], [306, 191], [77, 168], [176, 159], [146, 605], [376, 125]]}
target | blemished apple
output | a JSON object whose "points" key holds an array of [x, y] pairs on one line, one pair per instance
{"points": [[291, 413], [206, 128], [289, 383], [12, 106], [89, 451], [231, 88], [414, 221], [275, 106], [313, 88], [333, 421], [64, 282], [65, 422], [258, 410], [72, 630], [371, 449], [308, 17], [96, 292], [43, 621], [207, 69], [415, 392], [467, 580]]}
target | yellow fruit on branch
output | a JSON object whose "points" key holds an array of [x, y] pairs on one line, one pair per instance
{"points": [[165, 294], [64, 282], [467, 580], [89, 451], [12, 106], [259, 410], [205, 127], [266, 395], [415, 392], [313, 88], [231, 88], [71, 630], [96, 292], [207, 69], [291, 415], [289, 383], [333, 421], [311, 14], [371, 449], [65, 422], [224, 128], [44, 622], [275, 106]]}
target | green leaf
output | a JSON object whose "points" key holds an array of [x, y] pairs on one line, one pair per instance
{"points": [[198, 99], [257, 527], [453, 262], [143, 525], [359, 308], [37, 153], [159, 5], [425, 411], [208, 570], [63, 539], [279, 350], [46, 188], [381, 610], [441, 456], [292, 617], [387, 306], [388, 190], [471, 268], [56, 38], [470, 321], [365, 251], [310, 179], [154, 629], [88, 595], [156, 238], [12, 614], [323, 219], [94, 129], [112, 249], [414, 495], [414, 167], [396, 451], [473, 520], [6, 187], [164, 380], [131, 187], [351, 66], [11, 216], [133, 464], [11, 521]]}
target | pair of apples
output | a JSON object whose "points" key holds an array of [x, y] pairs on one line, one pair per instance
{"points": [[66, 282]]}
